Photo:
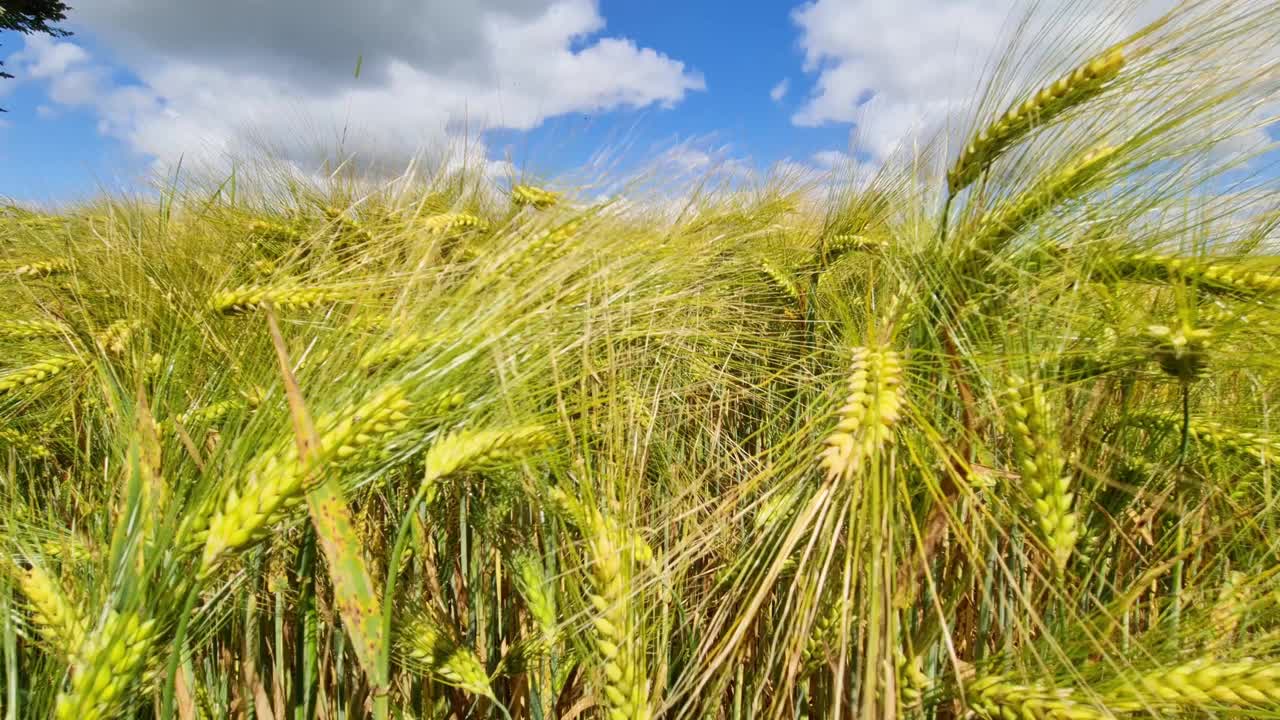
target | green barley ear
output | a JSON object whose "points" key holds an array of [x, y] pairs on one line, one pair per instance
{"points": [[997, 227], [781, 279], [614, 554], [870, 411], [477, 449], [1043, 473], [397, 349], [845, 243], [41, 269], [1075, 88], [538, 592], [1217, 278], [265, 230], [455, 222], [58, 619], [819, 645], [276, 480], [994, 698], [1181, 350], [107, 667], [1233, 600], [36, 373], [249, 297], [430, 643], [28, 329], [535, 197], [345, 226], [115, 337], [24, 444], [1262, 448], [1205, 684], [913, 683]]}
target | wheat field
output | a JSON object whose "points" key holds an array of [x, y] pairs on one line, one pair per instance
{"points": [[986, 433]]}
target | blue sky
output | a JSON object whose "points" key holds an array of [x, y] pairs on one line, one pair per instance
{"points": [[545, 83]]}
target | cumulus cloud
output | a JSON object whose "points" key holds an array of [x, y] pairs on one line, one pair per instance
{"points": [[779, 91], [230, 78]]}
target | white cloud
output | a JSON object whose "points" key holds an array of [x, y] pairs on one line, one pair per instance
{"points": [[229, 78], [779, 91], [829, 159], [900, 68]]}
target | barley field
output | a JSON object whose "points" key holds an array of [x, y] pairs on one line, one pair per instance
{"points": [[987, 433]]}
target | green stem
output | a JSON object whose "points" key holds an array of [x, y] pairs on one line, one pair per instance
{"points": [[171, 672], [393, 564]]}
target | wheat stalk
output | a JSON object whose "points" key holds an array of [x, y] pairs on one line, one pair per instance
{"points": [[1261, 447], [398, 349], [266, 230], [447, 222], [614, 556]]}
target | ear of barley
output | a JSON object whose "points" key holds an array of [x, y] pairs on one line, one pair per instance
{"points": [[275, 481], [781, 279], [1233, 600], [115, 337], [346, 227], [27, 329], [1217, 278], [107, 667], [868, 415], [614, 557], [1204, 683], [41, 268], [1043, 474], [267, 230], [24, 444], [1180, 350], [995, 698], [535, 197], [58, 619], [997, 227], [822, 641], [476, 449], [448, 222], [397, 349], [206, 415], [1262, 448], [430, 643], [839, 245], [1075, 88], [291, 297], [913, 683], [36, 373]]}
